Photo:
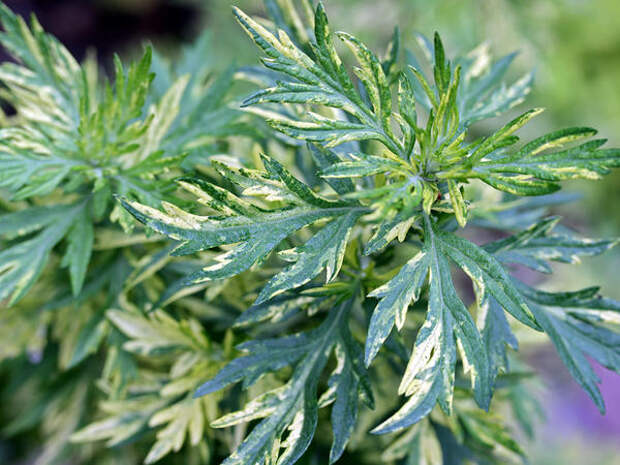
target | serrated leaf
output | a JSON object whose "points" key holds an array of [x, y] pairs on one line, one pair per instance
{"points": [[535, 169], [390, 60], [29, 220], [361, 165], [419, 446], [396, 296], [260, 234], [324, 158], [544, 241], [582, 162], [126, 418], [496, 333], [185, 418], [487, 273], [574, 338], [371, 74], [256, 231], [297, 408], [429, 377], [350, 384], [488, 431], [324, 82], [274, 310], [480, 78], [391, 228], [493, 141], [501, 99], [22, 263], [325, 250], [79, 248], [294, 405], [163, 116], [158, 331]]}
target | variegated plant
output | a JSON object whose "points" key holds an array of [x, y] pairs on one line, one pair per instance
{"points": [[331, 260], [75, 275]]}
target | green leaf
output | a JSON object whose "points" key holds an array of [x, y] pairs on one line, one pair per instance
{"points": [[324, 82], [89, 339], [371, 74], [274, 310], [79, 133], [325, 250], [458, 203], [488, 432], [361, 165], [50, 63], [488, 274], [395, 225], [22, 263], [575, 336], [163, 116], [390, 60], [390, 154], [544, 241], [302, 191], [158, 331], [294, 405], [258, 235], [441, 68], [407, 112], [535, 168], [182, 419], [501, 135], [418, 445], [256, 231], [254, 182], [349, 383], [496, 334], [125, 419], [502, 99], [29, 220], [429, 376], [479, 82], [264, 356], [484, 94], [29, 174], [582, 162], [80, 245], [324, 158], [395, 297]]}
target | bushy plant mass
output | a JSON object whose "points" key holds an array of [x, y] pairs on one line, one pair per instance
{"points": [[332, 268]]}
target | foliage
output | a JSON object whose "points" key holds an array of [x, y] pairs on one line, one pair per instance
{"points": [[376, 183], [70, 252]]}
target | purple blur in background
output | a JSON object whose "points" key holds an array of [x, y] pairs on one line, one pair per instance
{"points": [[570, 411], [110, 26]]}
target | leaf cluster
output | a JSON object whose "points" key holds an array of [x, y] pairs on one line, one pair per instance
{"points": [[312, 271]]}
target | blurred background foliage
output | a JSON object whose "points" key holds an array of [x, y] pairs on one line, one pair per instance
{"points": [[574, 45]]}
